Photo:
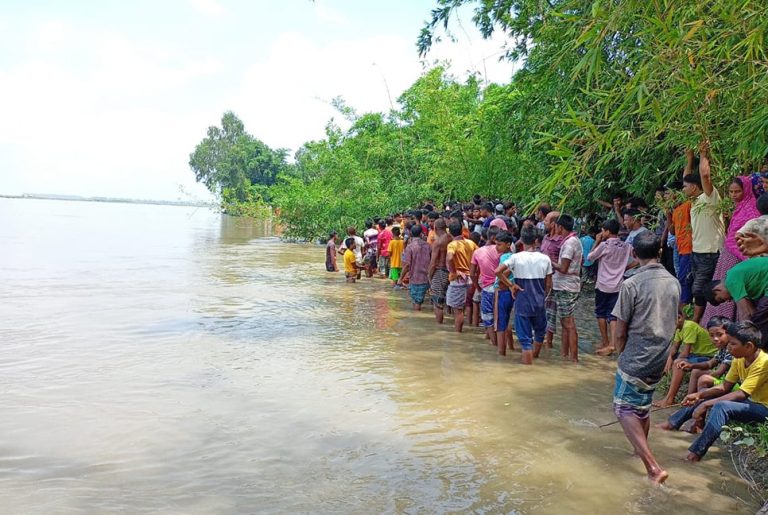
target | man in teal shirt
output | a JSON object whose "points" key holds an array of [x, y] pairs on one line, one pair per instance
{"points": [[746, 284]]}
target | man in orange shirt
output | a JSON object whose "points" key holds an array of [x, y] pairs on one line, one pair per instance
{"points": [[681, 228], [458, 259]]}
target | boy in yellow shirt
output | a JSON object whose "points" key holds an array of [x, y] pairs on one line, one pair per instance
{"points": [[350, 261], [395, 256], [748, 404]]}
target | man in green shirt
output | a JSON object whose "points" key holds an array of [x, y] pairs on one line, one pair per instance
{"points": [[746, 284]]}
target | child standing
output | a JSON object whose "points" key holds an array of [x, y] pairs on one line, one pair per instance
{"points": [[395, 250], [613, 255], [533, 282], [350, 260]]}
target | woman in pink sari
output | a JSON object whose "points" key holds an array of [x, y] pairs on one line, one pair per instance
{"points": [[743, 191]]}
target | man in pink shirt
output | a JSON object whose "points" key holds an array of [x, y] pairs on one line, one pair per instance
{"points": [[482, 270], [613, 255], [385, 236]]}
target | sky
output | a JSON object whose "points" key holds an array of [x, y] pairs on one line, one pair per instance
{"points": [[109, 98]]}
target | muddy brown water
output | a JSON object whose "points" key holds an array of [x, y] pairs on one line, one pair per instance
{"points": [[173, 360]]}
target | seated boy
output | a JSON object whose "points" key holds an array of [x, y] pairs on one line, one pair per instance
{"points": [[748, 404], [721, 360], [692, 341], [533, 281]]}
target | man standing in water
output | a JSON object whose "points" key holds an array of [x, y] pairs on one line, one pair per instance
{"points": [[646, 314], [416, 266], [458, 259], [438, 272]]}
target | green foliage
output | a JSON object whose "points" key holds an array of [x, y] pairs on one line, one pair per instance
{"points": [[617, 90], [747, 435], [229, 161]]}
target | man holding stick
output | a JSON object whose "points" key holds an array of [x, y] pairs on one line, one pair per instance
{"points": [[646, 314]]}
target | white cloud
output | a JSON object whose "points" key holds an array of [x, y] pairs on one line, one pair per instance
{"points": [[101, 128], [284, 99], [98, 111], [327, 14], [209, 7]]}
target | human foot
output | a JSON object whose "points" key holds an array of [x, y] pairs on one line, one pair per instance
{"points": [[693, 458], [658, 477], [666, 426], [605, 351]]}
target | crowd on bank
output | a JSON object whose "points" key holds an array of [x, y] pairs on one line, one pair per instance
{"points": [[688, 253]]}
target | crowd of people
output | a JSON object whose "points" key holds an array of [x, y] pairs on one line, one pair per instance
{"points": [[679, 289]]}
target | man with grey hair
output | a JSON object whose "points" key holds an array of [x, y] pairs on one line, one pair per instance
{"points": [[646, 317]]}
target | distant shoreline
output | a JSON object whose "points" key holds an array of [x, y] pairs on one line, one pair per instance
{"points": [[183, 203]]}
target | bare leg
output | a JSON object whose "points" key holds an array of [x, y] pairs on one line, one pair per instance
{"points": [[458, 321], [548, 339], [603, 325], [491, 335], [527, 357], [573, 338], [439, 314], [636, 431], [693, 383], [476, 314], [704, 382], [537, 348], [674, 386], [501, 342], [698, 312], [510, 338]]}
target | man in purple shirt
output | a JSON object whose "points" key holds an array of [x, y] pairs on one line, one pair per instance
{"points": [[613, 255], [416, 259]]}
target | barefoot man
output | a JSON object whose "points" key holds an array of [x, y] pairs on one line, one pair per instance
{"points": [[646, 316], [438, 272]]}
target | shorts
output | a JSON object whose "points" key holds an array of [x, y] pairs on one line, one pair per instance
{"points": [[696, 358], [685, 278], [439, 286], [703, 269], [566, 302], [384, 264], [504, 305], [456, 295], [604, 304], [394, 273], [632, 396], [530, 328], [487, 304], [550, 305], [417, 292]]}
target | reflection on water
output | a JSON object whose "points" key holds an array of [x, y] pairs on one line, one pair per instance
{"points": [[173, 360]]}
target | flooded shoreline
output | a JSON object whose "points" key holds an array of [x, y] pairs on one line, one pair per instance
{"points": [[165, 360]]}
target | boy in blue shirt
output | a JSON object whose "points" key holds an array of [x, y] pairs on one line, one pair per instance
{"points": [[533, 281]]}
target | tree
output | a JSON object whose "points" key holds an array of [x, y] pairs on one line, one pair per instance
{"points": [[628, 86], [235, 165]]}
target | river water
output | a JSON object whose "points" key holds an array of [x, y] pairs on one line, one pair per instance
{"points": [[173, 360]]}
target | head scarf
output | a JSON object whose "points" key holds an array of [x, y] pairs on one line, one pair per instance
{"points": [[746, 210]]}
